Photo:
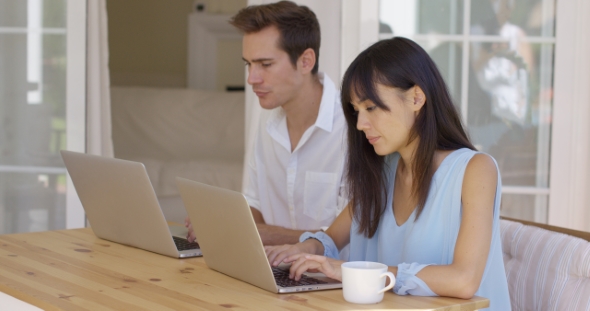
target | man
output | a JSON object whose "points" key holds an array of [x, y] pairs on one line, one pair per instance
{"points": [[294, 181]]}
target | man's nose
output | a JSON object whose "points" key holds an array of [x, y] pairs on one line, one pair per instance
{"points": [[254, 76]]}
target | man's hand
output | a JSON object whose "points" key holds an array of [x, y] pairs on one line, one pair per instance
{"points": [[275, 235], [191, 233], [270, 235]]}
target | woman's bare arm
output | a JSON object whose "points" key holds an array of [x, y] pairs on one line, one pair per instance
{"points": [[463, 276]]}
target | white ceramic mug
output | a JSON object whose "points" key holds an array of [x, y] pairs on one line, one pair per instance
{"points": [[364, 281]]}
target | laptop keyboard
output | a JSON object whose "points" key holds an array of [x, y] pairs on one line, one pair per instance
{"points": [[184, 244], [282, 279]]}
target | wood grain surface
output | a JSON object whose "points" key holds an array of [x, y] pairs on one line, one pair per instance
{"points": [[75, 270]]}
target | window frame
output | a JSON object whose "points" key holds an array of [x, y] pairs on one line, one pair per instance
{"points": [[570, 161], [75, 101]]}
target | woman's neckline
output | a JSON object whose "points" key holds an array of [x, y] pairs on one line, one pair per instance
{"points": [[413, 214]]}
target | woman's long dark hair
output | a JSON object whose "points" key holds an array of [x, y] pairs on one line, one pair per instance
{"points": [[403, 64]]}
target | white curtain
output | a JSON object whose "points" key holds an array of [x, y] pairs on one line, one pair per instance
{"points": [[98, 110], [253, 111]]}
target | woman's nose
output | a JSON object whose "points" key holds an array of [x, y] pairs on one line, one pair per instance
{"points": [[362, 123]]}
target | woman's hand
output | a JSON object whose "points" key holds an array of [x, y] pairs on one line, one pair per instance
{"points": [[277, 254], [314, 263]]}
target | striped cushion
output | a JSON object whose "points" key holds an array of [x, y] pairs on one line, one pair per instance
{"points": [[546, 270]]}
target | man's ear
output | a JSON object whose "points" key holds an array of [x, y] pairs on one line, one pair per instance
{"points": [[418, 97], [307, 60]]}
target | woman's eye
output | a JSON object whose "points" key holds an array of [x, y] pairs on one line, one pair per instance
{"points": [[371, 108], [355, 113]]}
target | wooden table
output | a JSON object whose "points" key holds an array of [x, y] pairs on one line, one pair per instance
{"points": [[75, 270]]}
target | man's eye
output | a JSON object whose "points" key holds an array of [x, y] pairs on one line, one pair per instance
{"points": [[266, 64]]}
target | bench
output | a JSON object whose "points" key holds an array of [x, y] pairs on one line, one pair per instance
{"points": [[547, 267]]}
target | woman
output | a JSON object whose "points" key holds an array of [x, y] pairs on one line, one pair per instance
{"points": [[422, 200]]}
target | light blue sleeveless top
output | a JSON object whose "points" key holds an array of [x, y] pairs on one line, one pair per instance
{"points": [[431, 239]]}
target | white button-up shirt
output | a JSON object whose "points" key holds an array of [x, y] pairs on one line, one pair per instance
{"points": [[303, 189]]}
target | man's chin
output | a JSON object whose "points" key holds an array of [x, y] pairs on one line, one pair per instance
{"points": [[268, 105]]}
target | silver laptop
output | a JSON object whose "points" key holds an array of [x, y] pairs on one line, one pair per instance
{"points": [[122, 207], [230, 242]]}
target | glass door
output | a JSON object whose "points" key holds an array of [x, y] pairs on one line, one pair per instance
{"points": [[497, 59], [42, 103]]}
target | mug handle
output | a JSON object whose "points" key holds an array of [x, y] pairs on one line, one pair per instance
{"points": [[391, 281]]}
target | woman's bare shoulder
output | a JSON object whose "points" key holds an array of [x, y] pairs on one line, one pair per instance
{"points": [[482, 163]]}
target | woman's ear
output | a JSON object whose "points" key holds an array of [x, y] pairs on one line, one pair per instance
{"points": [[307, 60], [419, 98]]}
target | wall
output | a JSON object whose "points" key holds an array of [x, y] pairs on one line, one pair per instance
{"points": [[148, 39], [147, 42], [230, 66]]}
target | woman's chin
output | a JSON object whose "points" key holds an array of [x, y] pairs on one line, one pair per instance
{"points": [[380, 151]]}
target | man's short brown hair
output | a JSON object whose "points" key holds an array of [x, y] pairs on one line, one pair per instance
{"points": [[297, 24]]}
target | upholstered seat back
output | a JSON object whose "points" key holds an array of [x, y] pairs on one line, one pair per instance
{"points": [[546, 270]]}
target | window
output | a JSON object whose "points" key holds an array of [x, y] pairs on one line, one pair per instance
{"points": [[497, 59], [555, 132], [42, 102]]}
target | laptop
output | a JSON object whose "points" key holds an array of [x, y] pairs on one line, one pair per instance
{"points": [[122, 207], [230, 241]]}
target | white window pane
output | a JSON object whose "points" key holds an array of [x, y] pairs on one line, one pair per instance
{"points": [[409, 17], [54, 13], [32, 202], [534, 18], [13, 13], [525, 207], [448, 58], [509, 110]]}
